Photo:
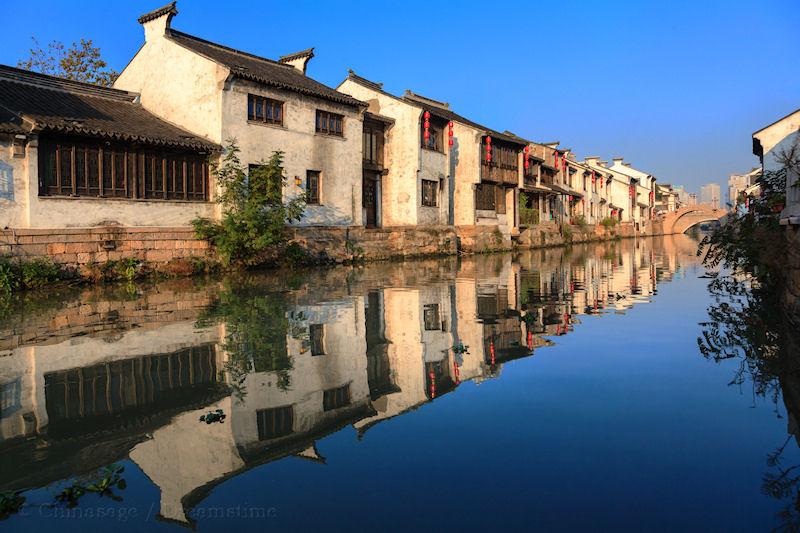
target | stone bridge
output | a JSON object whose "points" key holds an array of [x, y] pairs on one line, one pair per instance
{"points": [[684, 218]]}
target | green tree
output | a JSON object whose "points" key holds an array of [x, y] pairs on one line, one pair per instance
{"points": [[82, 61], [255, 218]]}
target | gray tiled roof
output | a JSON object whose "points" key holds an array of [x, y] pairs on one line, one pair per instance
{"points": [[262, 70], [50, 104]]}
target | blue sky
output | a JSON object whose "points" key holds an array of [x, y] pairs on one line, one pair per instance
{"points": [[675, 87]]}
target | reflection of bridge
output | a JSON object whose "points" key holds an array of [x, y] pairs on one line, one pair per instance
{"points": [[684, 218]]}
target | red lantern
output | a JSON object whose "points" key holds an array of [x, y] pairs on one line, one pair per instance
{"points": [[427, 115], [488, 139], [450, 133]]}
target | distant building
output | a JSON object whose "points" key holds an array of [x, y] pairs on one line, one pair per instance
{"points": [[710, 195], [692, 199], [737, 183]]}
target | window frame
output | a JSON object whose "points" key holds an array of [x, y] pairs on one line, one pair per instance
{"points": [[330, 118], [431, 200], [256, 102], [435, 135], [317, 342], [431, 317], [94, 168], [316, 175]]}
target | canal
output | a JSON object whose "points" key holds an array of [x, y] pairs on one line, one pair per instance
{"points": [[557, 389]]}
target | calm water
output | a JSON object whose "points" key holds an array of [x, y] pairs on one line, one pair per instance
{"points": [[582, 403]]}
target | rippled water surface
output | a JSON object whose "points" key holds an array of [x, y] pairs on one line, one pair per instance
{"points": [[559, 389]]}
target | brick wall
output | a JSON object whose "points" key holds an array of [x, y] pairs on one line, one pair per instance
{"points": [[78, 246]]}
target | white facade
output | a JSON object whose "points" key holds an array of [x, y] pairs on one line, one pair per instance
{"points": [[778, 146]]}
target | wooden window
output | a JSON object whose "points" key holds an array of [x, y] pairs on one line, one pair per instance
{"points": [[485, 197], [262, 109], [435, 139], [312, 187], [429, 190], [330, 123], [336, 398], [373, 141], [77, 167], [431, 318], [274, 423], [504, 166], [316, 335]]}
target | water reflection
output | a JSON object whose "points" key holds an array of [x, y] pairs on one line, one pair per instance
{"points": [[747, 324], [99, 375]]}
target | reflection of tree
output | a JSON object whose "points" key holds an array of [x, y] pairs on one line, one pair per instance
{"points": [[256, 325], [747, 323]]}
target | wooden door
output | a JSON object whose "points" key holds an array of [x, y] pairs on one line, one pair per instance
{"points": [[369, 199]]}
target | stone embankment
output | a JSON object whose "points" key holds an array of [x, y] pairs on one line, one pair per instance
{"points": [[82, 246]]}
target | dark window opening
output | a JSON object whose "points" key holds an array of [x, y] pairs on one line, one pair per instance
{"points": [[273, 423], [429, 190], [262, 109], [330, 123], [312, 187], [336, 398], [317, 338], [77, 167], [431, 317]]}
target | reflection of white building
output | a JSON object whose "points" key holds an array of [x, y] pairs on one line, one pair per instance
{"points": [[416, 329], [327, 388]]}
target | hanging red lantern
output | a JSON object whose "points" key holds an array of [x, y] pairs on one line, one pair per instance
{"points": [[427, 115]]}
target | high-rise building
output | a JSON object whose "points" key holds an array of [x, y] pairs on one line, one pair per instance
{"points": [[709, 195]]}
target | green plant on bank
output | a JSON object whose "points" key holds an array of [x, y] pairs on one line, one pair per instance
{"points": [[608, 222], [580, 221], [27, 273], [528, 216], [497, 237], [254, 216], [566, 231], [355, 252]]}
